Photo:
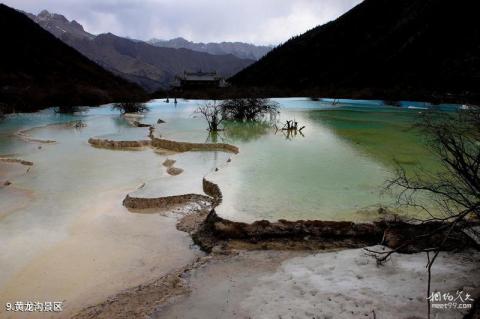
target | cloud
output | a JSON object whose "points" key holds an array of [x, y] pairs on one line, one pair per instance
{"points": [[255, 21]]}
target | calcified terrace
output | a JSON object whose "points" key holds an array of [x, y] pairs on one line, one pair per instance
{"points": [[214, 231]]}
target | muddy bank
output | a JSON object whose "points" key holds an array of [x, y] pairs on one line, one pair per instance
{"points": [[216, 232], [118, 145]]}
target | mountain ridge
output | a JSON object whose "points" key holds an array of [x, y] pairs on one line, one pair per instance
{"points": [[381, 48], [240, 49], [149, 66], [38, 70]]}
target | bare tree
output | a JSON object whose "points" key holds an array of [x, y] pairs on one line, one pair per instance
{"points": [[450, 195], [454, 189], [213, 114]]}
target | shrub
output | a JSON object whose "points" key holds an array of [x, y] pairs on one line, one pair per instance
{"points": [[130, 107], [248, 109]]}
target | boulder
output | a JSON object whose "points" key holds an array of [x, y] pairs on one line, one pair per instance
{"points": [[168, 162], [174, 171]]}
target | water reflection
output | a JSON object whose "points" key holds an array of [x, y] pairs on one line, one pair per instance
{"points": [[387, 135], [244, 132]]}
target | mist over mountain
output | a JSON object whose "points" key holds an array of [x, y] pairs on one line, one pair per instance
{"points": [[149, 66], [38, 70], [239, 49], [416, 49]]}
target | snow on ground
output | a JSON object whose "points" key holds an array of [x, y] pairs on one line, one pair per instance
{"points": [[349, 284], [343, 284]]}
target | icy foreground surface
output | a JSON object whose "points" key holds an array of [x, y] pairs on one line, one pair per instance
{"points": [[349, 284], [345, 284]]}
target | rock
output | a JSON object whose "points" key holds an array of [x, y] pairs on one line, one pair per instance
{"points": [[138, 124], [168, 162], [160, 121], [174, 171], [393, 238], [7, 183]]}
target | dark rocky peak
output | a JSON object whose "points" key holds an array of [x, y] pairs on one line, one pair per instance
{"points": [[60, 26], [76, 25], [44, 14]]}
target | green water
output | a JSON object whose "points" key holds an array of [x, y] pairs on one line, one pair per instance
{"points": [[385, 134], [335, 170], [64, 215]]}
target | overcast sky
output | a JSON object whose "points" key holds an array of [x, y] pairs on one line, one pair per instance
{"points": [[254, 21]]}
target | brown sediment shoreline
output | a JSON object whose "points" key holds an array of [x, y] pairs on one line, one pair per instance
{"points": [[218, 233]]}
